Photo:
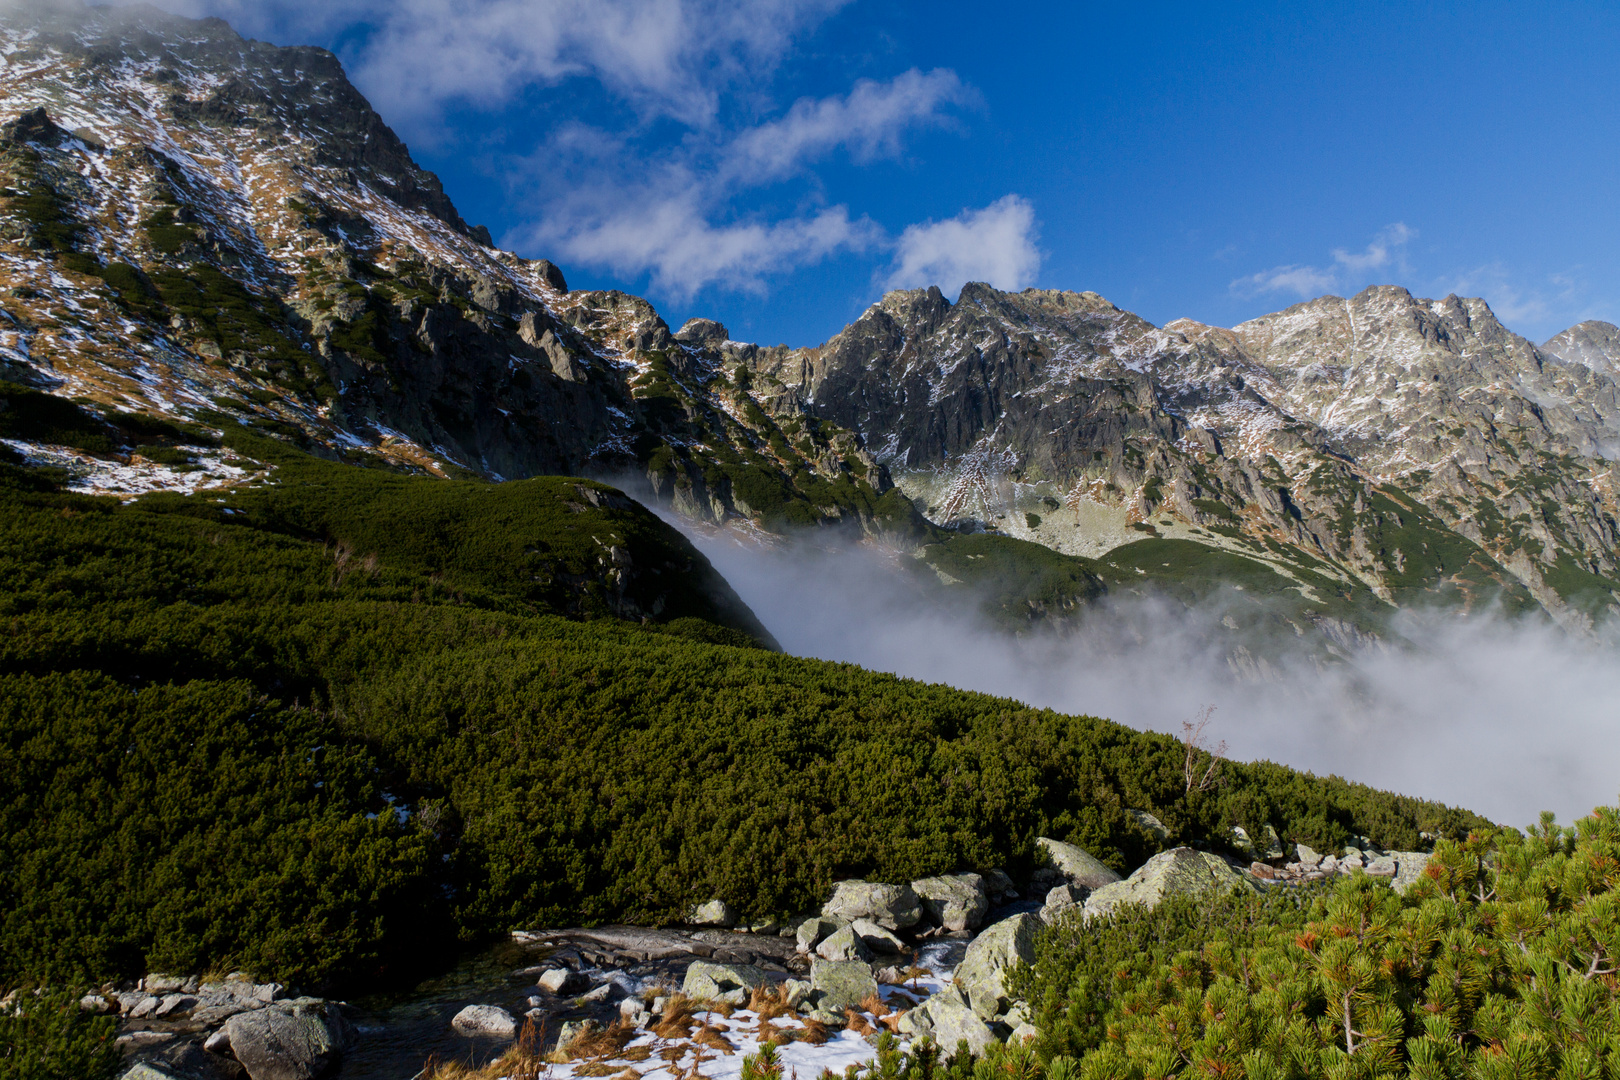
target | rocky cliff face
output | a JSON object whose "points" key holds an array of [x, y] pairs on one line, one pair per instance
{"points": [[197, 223], [202, 226], [1415, 446]]}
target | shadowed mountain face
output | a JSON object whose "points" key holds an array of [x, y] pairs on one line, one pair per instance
{"points": [[197, 225]]}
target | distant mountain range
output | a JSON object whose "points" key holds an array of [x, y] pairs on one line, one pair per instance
{"points": [[201, 226]]}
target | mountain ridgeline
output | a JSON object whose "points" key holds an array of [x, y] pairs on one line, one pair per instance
{"points": [[197, 222]]}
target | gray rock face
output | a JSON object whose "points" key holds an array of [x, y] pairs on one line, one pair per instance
{"points": [[1060, 901], [487, 1020], [954, 901], [845, 944], [1409, 869], [875, 937], [301, 1039], [714, 913], [1076, 864], [947, 1021], [1179, 871], [893, 907], [841, 984], [1306, 856], [710, 982], [1150, 823], [813, 932], [979, 977]]}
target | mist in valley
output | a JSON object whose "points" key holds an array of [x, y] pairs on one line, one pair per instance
{"points": [[1505, 717]]}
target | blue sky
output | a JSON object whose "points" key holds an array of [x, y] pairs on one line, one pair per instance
{"points": [[778, 164]]}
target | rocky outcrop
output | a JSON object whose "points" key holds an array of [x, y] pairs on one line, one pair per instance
{"points": [[301, 1039], [947, 1022], [980, 978], [893, 907], [1074, 865], [841, 984], [726, 983], [955, 901], [1181, 871]]}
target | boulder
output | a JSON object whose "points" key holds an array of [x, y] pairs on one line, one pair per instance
{"points": [[300, 1039], [1409, 867], [1150, 824], [1062, 899], [562, 981], [714, 913], [893, 907], [814, 931], [1076, 864], [1307, 858], [999, 886], [841, 984], [167, 984], [1382, 866], [844, 944], [796, 992], [979, 977], [945, 1020], [149, 1070], [712, 982], [954, 901], [485, 1020], [1180, 870], [175, 1003], [875, 937]]}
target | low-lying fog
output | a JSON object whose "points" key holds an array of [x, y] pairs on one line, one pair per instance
{"points": [[1505, 718]]}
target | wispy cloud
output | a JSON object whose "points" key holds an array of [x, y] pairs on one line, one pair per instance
{"points": [[995, 245], [1386, 251]]}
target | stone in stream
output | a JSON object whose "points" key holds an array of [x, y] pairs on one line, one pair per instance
{"points": [[980, 976], [876, 938], [954, 901], [893, 907], [1178, 871], [486, 1020], [562, 981], [841, 984], [299, 1039]]}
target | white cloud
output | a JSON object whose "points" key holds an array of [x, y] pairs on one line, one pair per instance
{"points": [[870, 121], [994, 245], [1386, 250], [667, 57]]}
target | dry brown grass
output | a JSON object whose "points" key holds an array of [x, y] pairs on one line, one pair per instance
{"points": [[710, 1036], [857, 1022], [815, 1033], [769, 1002], [523, 1061], [676, 1022], [875, 1005], [607, 1043]]}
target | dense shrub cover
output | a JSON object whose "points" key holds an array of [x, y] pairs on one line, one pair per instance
{"points": [[325, 727]]}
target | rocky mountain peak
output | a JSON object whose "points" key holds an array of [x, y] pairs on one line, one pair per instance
{"points": [[1593, 343]]}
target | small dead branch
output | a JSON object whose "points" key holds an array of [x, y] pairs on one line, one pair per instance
{"points": [[1195, 743]]}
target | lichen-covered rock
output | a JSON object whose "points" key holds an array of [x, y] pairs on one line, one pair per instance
{"points": [[1079, 866], [894, 907], [814, 931], [490, 1021], [844, 944], [562, 981], [954, 901], [573, 1031], [944, 1019], [710, 982], [979, 977], [875, 938], [1150, 823], [1060, 901], [714, 913], [841, 984], [1409, 867], [1178, 871]]}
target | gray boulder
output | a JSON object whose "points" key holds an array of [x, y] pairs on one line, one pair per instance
{"points": [[814, 931], [1409, 867], [714, 913], [954, 901], [844, 944], [946, 1021], [876, 938], [893, 907], [712, 982], [1076, 864], [1307, 857], [1178, 871], [573, 1031], [1060, 901], [841, 984], [148, 1070], [486, 1020], [299, 1039], [562, 981], [999, 886], [980, 976]]}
